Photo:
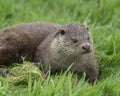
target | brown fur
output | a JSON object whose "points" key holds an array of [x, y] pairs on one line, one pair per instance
{"points": [[56, 46], [22, 41]]}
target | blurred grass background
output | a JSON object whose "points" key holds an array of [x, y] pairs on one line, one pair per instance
{"points": [[103, 19]]}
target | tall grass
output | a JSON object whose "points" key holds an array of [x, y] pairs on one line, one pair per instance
{"points": [[104, 23]]}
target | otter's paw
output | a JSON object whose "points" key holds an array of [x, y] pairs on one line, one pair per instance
{"points": [[5, 72], [92, 74]]}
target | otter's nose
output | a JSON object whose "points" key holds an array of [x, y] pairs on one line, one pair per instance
{"points": [[86, 47]]}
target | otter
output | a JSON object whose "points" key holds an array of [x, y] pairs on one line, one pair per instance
{"points": [[69, 44], [56, 46]]}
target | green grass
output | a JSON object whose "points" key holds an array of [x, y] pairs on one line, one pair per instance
{"points": [[104, 23]]}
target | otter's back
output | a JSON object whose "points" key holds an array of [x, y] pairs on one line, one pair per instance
{"points": [[35, 31]]}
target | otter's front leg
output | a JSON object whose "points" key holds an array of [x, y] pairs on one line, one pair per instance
{"points": [[5, 72], [92, 73]]}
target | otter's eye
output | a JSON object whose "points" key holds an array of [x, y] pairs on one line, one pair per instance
{"points": [[62, 32], [88, 38], [87, 28], [74, 40]]}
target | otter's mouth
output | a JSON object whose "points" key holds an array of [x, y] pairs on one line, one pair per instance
{"points": [[84, 52], [87, 51]]}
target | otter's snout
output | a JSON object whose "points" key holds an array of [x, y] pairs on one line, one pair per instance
{"points": [[86, 47]]}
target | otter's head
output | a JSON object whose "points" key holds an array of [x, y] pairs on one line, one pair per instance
{"points": [[72, 38]]}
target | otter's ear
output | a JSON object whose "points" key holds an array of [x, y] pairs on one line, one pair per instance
{"points": [[62, 32]]}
